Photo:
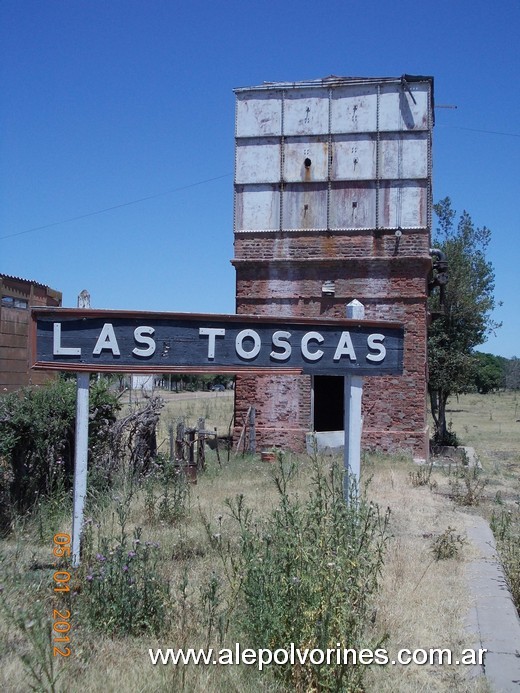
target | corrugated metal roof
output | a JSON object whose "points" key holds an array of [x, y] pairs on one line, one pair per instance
{"points": [[334, 80], [25, 281]]}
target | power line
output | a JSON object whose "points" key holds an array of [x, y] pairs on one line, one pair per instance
{"points": [[109, 209], [487, 132]]}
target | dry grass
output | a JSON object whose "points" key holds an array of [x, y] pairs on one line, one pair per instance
{"points": [[491, 424], [422, 603], [99, 663]]}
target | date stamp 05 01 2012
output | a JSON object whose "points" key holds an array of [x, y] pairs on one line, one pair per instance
{"points": [[61, 617]]}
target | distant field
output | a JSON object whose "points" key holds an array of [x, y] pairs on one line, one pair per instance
{"points": [[216, 408], [491, 424]]}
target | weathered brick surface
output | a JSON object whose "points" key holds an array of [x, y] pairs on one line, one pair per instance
{"points": [[279, 275], [314, 245], [283, 408]]}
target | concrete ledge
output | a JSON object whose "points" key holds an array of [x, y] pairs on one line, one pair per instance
{"points": [[326, 442], [462, 454], [493, 619]]}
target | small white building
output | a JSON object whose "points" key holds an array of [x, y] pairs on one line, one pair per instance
{"points": [[143, 382]]}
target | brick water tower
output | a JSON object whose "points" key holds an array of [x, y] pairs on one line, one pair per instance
{"points": [[333, 202]]}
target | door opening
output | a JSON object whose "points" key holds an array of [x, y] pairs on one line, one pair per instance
{"points": [[328, 403]]}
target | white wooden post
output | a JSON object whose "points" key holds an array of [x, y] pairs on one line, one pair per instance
{"points": [[352, 417], [80, 463]]}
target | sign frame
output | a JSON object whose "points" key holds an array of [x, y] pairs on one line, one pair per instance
{"points": [[126, 320]]}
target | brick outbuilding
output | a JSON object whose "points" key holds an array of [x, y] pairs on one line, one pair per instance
{"points": [[16, 298]]}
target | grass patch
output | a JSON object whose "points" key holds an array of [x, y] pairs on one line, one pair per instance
{"points": [[254, 553], [491, 424]]}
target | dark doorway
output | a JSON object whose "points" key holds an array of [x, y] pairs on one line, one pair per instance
{"points": [[328, 403]]}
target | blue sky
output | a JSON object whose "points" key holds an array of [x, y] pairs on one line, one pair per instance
{"points": [[117, 127]]}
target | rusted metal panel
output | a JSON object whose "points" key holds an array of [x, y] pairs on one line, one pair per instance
{"points": [[305, 206], [306, 112], [257, 160], [403, 204], [404, 155], [354, 157], [330, 134], [257, 207], [306, 159], [259, 113], [404, 107], [353, 206], [353, 109]]}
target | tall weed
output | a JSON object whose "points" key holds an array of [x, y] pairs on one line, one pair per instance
{"points": [[506, 528], [467, 485], [305, 574], [166, 492], [36, 630], [125, 592]]}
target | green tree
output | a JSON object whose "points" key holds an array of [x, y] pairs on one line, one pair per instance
{"points": [[489, 372], [463, 318]]}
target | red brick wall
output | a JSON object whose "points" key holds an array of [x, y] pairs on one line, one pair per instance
{"points": [[282, 274]]}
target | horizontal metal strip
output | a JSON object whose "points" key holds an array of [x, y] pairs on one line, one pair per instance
{"points": [[335, 82], [408, 134], [353, 229], [324, 181], [112, 368]]}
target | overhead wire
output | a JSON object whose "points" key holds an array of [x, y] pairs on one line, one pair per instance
{"points": [[487, 132], [118, 206]]}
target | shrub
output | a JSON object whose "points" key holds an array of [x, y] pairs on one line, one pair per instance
{"points": [[422, 476], [305, 575], [467, 486], [447, 545], [37, 430]]}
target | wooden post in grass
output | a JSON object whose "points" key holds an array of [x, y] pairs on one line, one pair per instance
{"points": [[252, 430], [353, 389]]}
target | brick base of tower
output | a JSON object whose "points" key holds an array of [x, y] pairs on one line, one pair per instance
{"points": [[283, 418], [391, 288]]}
